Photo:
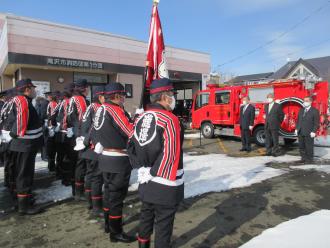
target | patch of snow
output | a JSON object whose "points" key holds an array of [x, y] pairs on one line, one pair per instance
{"points": [[322, 140], [303, 232], [192, 135], [56, 192], [321, 168], [218, 172]]}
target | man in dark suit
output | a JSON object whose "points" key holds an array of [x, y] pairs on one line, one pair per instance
{"points": [[246, 121], [307, 125], [274, 117]]}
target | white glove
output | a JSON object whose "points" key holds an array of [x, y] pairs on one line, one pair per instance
{"points": [[46, 123], [51, 132], [79, 144], [98, 148], [296, 132], [313, 135], [6, 137], [69, 133], [250, 127], [144, 175], [57, 128], [139, 111]]}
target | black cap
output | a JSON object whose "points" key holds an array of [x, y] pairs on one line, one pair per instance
{"points": [[98, 90], [81, 83], [24, 83], [3, 93], [113, 88], [47, 93], [56, 94], [161, 85]]}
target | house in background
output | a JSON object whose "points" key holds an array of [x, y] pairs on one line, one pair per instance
{"points": [[315, 67]]}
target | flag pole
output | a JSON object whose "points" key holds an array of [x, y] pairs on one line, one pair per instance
{"points": [[144, 94]]}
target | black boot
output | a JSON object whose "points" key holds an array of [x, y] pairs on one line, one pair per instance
{"points": [[25, 207], [79, 192], [106, 220], [88, 196], [116, 232], [144, 243], [97, 207]]}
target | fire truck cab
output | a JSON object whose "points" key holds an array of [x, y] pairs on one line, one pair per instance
{"points": [[216, 110]]}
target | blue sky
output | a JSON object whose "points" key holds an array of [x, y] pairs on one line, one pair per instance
{"points": [[224, 28]]}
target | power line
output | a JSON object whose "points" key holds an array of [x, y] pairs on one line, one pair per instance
{"points": [[278, 37], [297, 51]]}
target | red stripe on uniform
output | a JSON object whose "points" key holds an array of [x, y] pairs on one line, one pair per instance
{"points": [[115, 217]]}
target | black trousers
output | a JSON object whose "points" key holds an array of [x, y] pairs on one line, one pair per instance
{"points": [[80, 170], [115, 191], [246, 139], [94, 178], [65, 160], [306, 147], [160, 216], [272, 138], [51, 153], [24, 171], [9, 167]]}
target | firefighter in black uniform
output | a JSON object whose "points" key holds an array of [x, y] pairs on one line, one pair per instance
{"points": [[25, 140], [50, 124], [5, 126], [156, 149], [113, 127], [65, 158], [85, 144], [77, 108]]}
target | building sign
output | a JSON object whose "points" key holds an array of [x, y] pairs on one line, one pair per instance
{"points": [[74, 63]]}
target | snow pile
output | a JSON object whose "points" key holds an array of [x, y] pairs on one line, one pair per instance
{"points": [[304, 232], [218, 172], [321, 168], [192, 135], [322, 140]]}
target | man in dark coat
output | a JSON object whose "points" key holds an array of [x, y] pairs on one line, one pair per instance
{"points": [[274, 117], [307, 126], [246, 120]]}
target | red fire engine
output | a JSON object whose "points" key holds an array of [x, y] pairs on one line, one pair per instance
{"points": [[216, 109]]}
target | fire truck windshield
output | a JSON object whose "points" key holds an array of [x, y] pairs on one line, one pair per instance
{"points": [[259, 94]]}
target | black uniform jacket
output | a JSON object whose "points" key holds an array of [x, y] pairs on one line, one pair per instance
{"points": [[26, 129], [52, 111], [77, 108], [246, 119], [157, 143], [275, 117], [309, 122], [88, 132], [112, 128], [6, 122]]}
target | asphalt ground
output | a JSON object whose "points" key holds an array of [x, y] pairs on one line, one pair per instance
{"points": [[227, 219]]}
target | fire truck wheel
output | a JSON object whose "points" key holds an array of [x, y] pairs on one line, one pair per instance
{"points": [[208, 130], [259, 136]]}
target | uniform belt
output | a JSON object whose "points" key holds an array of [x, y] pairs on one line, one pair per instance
{"points": [[121, 151]]}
